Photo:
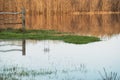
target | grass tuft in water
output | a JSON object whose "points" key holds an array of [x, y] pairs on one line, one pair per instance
{"points": [[47, 35], [15, 73], [109, 76]]}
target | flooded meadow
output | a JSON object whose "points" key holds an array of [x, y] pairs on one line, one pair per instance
{"points": [[57, 60], [26, 59]]}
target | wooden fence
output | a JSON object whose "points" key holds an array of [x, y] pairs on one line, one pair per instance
{"points": [[23, 12]]}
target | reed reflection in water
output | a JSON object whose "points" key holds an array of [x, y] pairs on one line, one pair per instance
{"points": [[93, 24], [84, 24]]}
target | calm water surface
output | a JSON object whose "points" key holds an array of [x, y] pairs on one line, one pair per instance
{"points": [[56, 60]]}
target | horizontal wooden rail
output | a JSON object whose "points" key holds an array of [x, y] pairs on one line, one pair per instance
{"points": [[23, 12], [9, 19], [11, 13], [12, 23]]}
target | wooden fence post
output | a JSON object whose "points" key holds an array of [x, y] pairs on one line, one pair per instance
{"points": [[23, 19]]}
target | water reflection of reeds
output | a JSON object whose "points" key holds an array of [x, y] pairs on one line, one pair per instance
{"points": [[96, 17], [97, 24]]}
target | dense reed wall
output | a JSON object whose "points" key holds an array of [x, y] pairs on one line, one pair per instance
{"points": [[48, 14], [60, 6]]}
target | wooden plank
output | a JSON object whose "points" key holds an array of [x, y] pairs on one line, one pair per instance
{"points": [[8, 19], [23, 19], [10, 13], [12, 23]]}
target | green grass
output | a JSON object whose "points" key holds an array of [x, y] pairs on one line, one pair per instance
{"points": [[47, 35]]}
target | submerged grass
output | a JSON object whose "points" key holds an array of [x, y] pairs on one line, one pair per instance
{"points": [[19, 73], [46, 35], [109, 76]]}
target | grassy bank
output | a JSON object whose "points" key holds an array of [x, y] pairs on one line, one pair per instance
{"points": [[46, 35]]}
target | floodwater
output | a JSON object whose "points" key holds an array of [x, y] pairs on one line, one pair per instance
{"points": [[56, 60]]}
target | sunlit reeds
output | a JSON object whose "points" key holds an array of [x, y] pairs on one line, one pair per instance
{"points": [[101, 16], [61, 6]]}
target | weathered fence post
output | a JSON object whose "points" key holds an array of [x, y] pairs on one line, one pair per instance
{"points": [[23, 19], [23, 13]]}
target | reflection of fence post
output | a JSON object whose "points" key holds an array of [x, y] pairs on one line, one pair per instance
{"points": [[23, 47], [23, 19]]}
